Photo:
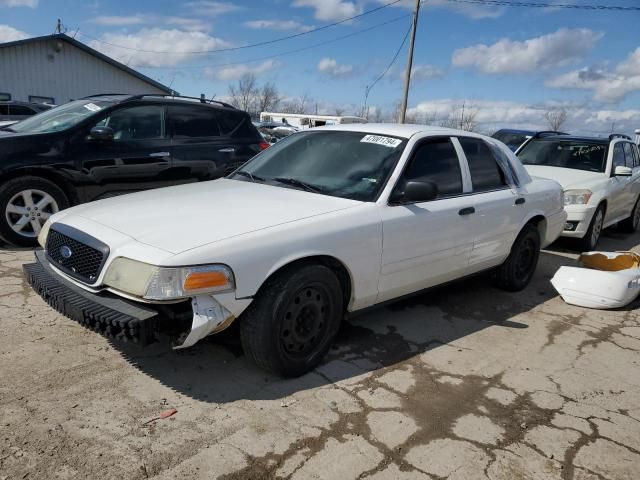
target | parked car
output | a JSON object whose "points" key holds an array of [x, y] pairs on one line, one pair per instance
{"points": [[107, 145], [514, 139], [324, 222], [12, 111], [600, 177]]}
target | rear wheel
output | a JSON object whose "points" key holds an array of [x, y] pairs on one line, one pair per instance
{"points": [[26, 203], [517, 270], [590, 240], [630, 224], [289, 327]]}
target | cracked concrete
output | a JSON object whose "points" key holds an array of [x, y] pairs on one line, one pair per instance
{"points": [[465, 382]]}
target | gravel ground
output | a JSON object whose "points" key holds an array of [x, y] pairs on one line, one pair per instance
{"points": [[465, 382]]}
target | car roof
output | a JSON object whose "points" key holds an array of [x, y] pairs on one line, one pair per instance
{"points": [[405, 130], [514, 130], [121, 97], [577, 138]]}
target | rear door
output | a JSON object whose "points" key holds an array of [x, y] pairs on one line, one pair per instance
{"points": [[498, 210], [242, 136], [620, 186], [633, 185]]}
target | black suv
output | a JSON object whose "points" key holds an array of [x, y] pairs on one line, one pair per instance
{"points": [[107, 145], [514, 139]]}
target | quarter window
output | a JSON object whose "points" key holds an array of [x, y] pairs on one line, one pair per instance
{"points": [[193, 122], [618, 156], [235, 123], [136, 123], [486, 174], [436, 161]]}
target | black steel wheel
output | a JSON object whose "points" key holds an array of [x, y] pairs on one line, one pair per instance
{"points": [[517, 270], [289, 326]]}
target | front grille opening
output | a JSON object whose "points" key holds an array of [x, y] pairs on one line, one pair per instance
{"points": [[74, 257]]}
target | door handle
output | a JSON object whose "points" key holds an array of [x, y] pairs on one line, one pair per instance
{"points": [[227, 150], [159, 154], [467, 211], [520, 201]]}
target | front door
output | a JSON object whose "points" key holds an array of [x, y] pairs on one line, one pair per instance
{"points": [[138, 157], [427, 243], [619, 187]]}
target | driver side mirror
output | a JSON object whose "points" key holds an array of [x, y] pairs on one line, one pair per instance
{"points": [[415, 191], [103, 134], [621, 171]]}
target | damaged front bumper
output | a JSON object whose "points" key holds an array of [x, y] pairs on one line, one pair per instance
{"points": [[118, 318]]}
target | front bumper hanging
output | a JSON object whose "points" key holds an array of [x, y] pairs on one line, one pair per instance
{"points": [[102, 312]]}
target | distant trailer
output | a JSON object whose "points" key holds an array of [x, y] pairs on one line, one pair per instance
{"points": [[303, 120]]}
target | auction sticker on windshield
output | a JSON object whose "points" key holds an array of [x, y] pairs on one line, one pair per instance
{"points": [[379, 140], [93, 107]]}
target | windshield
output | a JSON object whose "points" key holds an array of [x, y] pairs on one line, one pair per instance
{"points": [[352, 165], [59, 118], [511, 139], [576, 154]]}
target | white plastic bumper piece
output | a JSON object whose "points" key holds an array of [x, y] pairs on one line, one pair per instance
{"points": [[596, 288], [208, 317]]}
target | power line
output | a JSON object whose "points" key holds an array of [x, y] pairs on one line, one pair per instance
{"points": [[507, 3], [259, 44], [288, 52]]}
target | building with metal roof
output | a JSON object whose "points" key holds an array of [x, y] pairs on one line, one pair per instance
{"points": [[57, 68]]}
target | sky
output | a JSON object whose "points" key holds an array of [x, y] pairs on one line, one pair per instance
{"points": [[509, 65]]}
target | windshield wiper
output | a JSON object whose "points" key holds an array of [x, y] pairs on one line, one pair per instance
{"points": [[250, 176], [299, 183]]}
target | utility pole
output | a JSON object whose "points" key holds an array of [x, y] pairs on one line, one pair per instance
{"points": [[407, 76]]}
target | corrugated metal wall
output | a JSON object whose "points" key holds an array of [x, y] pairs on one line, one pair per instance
{"points": [[57, 69]]}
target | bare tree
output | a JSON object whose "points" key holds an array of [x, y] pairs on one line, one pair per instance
{"points": [[296, 105], [461, 117], [244, 94], [555, 118], [268, 97], [339, 111]]}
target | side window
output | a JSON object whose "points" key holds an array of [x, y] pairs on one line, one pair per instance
{"points": [[636, 156], [20, 110], [235, 123], [4, 109], [486, 174], [628, 154], [5, 96], [193, 121], [436, 161], [136, 123], [618, 156]]}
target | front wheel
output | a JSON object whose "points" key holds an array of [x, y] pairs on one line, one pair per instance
{"points": [[25, 205], [590, 240], [289, 327], [517, 270]]}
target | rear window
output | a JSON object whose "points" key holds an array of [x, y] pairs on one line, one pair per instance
{"points": [[576, 154], [486, 174]]}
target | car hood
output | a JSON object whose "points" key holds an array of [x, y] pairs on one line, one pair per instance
{"points": [[567, 177], [181, 218]]}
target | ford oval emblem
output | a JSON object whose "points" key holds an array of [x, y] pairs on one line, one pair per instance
{"points": [[65, 252]]}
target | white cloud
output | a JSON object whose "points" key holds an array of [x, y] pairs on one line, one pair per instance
{"points": [[119, 21], [470, 10], [331, 67], [287, 25], [508, 56], [234, 72], [148, 19], [212, 8], [19, 3], [492, 115], [10, 34], [607, 86], [330, 10], [182, 43], [424, 72]]}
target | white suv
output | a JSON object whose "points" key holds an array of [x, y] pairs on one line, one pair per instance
{"points": [[600, 178]]}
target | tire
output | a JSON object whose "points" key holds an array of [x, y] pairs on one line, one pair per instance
{"points": [[590, 240], [25, 204], [517, 270], [630, 225], [290, 325]]}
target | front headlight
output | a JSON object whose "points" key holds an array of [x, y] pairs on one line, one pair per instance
{"points": [[42, 236], [167, 283], [577, 197]]}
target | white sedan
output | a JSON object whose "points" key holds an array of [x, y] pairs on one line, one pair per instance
{"points": [[600, 177], [325, 222]]}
